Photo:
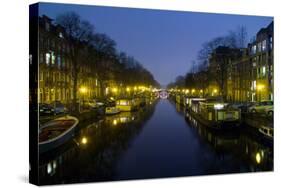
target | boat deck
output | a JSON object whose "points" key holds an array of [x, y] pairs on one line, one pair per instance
{"points": [[57, 128]]}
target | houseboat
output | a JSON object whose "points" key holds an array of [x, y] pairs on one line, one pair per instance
{"points": [[56, 132], [126, 105], [215, 114], [193, 102]]}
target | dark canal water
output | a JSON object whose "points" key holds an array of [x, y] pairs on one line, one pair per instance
{"points": [[159, 140]]}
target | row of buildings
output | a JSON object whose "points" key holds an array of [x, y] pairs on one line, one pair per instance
{"points": [[246, 74], [55, 66], [98, 77]]}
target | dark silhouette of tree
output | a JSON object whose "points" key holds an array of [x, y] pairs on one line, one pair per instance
{"points": [[80, 32]]}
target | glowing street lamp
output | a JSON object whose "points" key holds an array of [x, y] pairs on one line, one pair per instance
{"points": [[193, 90], [83, 90], [260, 87], [128, 89], [114, 90]]}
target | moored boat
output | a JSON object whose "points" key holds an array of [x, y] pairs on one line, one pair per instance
{"points": [[215, 114], [56, 132], [111, 110], [267, 132], [126, 104]]}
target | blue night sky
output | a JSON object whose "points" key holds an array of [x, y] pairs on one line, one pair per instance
{"points": [[165, 42]]}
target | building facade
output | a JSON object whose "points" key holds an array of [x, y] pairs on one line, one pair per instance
{"points": [[261, 58], [244, 74], [56, 68]]}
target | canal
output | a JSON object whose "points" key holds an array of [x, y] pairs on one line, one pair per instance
{"points": [[159, 140]]}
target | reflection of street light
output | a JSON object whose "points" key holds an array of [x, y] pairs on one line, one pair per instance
{"points": [[114, 122], [84, 141], [258, 158]]}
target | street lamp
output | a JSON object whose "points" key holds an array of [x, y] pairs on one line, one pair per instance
{"points": [[260, 87], [192, 91], [83, 90]]}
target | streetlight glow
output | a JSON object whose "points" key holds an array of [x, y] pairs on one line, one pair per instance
{"points": [[260, 87], [83, 89]]}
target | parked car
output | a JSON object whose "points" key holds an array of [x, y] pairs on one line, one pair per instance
{"points": [[269, 110], [59, 108], [243, 106], [46, 109], [261, 107]]}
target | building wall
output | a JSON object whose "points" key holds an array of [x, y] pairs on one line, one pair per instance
{"points": [[55, 65], [249, 77]]}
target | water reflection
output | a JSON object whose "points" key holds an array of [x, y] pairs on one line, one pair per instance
{"points": [[236, 144], [93, 153], [171, 144]]}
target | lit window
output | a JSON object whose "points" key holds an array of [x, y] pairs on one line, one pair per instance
{"points": [[264, 45], [53, 58], [60, 35], [254, 49], [254, 84], [48, 57]]}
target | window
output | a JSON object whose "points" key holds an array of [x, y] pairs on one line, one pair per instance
{"points": [[263, 71], [259, 47], [53, 58], [254, 84], [60, 35], [48, 57], [270, 42], [264, 45], [59, 61], [254, 49]]}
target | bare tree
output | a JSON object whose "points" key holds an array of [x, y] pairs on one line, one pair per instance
{"points": [[79, 32]]}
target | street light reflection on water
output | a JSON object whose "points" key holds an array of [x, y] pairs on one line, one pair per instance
{"points": [[159, 140]]}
